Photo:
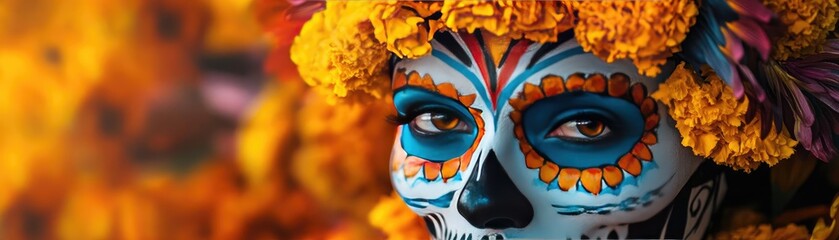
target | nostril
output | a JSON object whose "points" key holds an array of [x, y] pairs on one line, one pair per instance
{"points": [[501, 223], [493, 201]]}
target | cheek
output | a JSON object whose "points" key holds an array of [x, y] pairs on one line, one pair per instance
{"points": [[675, 160], [428, 186]]}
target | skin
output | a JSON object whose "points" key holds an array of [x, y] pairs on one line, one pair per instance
{"points": [[486, 128]]}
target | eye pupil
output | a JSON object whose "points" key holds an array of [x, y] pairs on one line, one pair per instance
{"points": [[444, 121], [590, 128]]}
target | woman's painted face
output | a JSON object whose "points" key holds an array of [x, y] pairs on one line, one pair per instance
{"points": [[510, 139]]}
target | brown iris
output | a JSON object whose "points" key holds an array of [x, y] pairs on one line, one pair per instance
{"points": [[444, 121], [590, 128]]}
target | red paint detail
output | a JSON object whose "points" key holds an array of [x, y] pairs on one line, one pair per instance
{"points": [[509, 65], [478, 58]]}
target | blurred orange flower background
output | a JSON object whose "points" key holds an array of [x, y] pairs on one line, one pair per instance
{"points": [[154, 119]]}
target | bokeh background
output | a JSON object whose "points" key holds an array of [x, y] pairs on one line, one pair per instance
{"points": [[155, 119]]}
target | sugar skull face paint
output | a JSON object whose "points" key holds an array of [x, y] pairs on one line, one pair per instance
{"points": [[510, 139]]}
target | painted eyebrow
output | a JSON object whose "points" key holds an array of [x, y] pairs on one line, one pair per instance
{"points": [[548, 47], [447, 40]]}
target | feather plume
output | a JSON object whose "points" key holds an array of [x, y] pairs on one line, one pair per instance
{"points": [[731, 37], [816, 105]]}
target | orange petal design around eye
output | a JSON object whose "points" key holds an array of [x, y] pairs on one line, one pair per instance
{"points": [[630, 164], [532, 92], [518, 104], [399, 80], [618, 85], [591, 180], [414, 79], [450, 168], [519, 132], [515, 116], [412, 166], [428, 83], [467, 100], [568, 178], [595, 83], [525, 148], [575, 82], [532, 160], [466, 159], [431, 170], [612, 175], [639, 92], [553, 85], [649, 138], [548, 172], [448, 90], [642, 152], [651, 121], [647, 106]]}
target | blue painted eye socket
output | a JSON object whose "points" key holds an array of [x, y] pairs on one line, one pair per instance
{"points": [[436, 128], [581, 129]]}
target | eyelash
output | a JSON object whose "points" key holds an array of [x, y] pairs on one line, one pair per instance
{"points": [[402, 119], [399, 119]]}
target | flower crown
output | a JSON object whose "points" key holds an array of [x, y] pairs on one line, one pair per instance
{"points": [[755, 78]]}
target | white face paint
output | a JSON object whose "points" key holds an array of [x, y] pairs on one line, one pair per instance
{"points": [[552, 143]]}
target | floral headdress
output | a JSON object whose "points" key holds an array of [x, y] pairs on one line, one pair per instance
{"points": [[756, 78]]}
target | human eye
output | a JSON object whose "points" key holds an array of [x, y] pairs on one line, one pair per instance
{"points": [[581, 129], [433, 123]]}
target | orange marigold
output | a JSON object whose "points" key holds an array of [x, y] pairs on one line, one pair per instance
{"points": [[336, 52], [808, 24], [396, 220], [712, 122], [403, 26], [538, 21], [648, 32], [765, 231]]}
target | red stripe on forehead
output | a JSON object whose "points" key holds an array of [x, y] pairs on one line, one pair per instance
{"points": [[478, 58], [509, 65]]}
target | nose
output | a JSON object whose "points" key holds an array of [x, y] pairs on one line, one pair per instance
{"points": [[491, 200]]}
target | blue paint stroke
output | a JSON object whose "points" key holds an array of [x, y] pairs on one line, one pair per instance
{"points": [[628, 204], [441, 202], [508, 89], [456, 65]]}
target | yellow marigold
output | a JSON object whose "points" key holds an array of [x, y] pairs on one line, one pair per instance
{"points": [[824, 231], [396, 220], [808, 24], [765, 232], [343, 153], [712, 122], [538, 21], [336, 52], [648, 32], [402, 25]]}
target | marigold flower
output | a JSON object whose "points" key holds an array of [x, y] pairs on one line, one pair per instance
{"points": [[712, 122], [538, 21], [343, 154], [648, 32], [404, 26], [808, 24], [396, 220], [337, 53], [831, 230], [765, 231]]}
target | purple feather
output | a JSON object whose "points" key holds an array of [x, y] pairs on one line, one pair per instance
{"points": [[752, 8], [752, 33], [818, 76]]}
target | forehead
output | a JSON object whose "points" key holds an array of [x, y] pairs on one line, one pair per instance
{"points": [[495, 69]]}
